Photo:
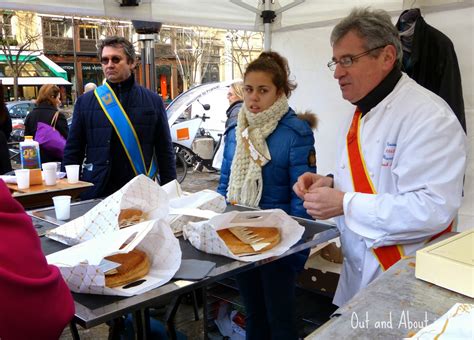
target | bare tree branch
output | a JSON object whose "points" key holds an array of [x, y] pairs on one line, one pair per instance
{"points": [[18, 50], [245, 46], [193, 47]]}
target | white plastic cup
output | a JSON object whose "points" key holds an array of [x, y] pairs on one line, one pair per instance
{"points": [[72, 172], [49, 173], [23, 178], [62, 207]]}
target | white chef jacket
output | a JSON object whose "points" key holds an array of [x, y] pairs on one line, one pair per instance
{"points": [[415, 152]]}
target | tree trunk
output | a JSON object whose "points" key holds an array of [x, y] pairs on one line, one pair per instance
{"points": [[15, 87]]}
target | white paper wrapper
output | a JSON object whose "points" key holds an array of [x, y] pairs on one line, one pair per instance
{"points": [[79, 264], [203, 235], [140, 193], [186, 207], [454, 324]]}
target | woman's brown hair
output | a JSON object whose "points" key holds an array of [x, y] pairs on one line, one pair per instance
{"points": [[48, 94], [276, 65]]}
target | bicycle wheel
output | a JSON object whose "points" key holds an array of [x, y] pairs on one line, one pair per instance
{"points": [[181, 168], [187, 156]]}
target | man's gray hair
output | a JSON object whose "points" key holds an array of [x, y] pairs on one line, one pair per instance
{"points": [[374, 26], [89, 87], [117, 42]]}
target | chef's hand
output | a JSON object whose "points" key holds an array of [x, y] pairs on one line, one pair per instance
{"points": [[323, 202], [308, 181]]}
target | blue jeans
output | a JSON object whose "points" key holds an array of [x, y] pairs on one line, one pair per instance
{"points": [[268, 293]]}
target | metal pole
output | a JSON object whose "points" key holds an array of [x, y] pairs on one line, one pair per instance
{"points": [[267, 37], [74, 36], [148, 60]]}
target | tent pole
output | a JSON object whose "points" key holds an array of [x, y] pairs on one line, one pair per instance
{"points": [[267, 22]]}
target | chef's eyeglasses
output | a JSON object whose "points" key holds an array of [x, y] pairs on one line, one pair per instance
{"points": [[349, 60], [115, 60]]}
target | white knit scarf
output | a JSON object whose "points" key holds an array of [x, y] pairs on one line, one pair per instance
{"points": [[245, 184]]}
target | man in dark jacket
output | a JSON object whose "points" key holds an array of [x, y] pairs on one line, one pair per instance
{"points": [[92, 136]]}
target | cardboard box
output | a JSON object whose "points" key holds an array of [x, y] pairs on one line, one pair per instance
{"points": [[36, 177], [449, 263], [320, 274]]}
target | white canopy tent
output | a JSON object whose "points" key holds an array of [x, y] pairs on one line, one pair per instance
{"points": [[235, 14], [301, 32]]}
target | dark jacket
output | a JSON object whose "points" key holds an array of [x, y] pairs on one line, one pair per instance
{"points": [[6, 123], [291, 146], [93, 137], [44, 113], [5, 130], [434, 65]]}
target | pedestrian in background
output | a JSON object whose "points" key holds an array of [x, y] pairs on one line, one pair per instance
{"points": [[236, 99], [47, 105], [89, 87], [5, 130]]}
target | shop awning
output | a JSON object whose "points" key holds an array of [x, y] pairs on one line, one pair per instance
{"points": [[35, 81], [38, 66]]}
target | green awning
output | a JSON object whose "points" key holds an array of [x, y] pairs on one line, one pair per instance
{"points": [[42, 64]]}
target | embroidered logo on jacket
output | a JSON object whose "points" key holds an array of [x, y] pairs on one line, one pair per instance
{"points": [[312, 158], [388, 154]]}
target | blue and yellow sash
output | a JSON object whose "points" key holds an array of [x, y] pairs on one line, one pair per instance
{"points": [[125, 131]]}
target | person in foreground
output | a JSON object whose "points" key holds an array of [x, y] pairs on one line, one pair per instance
{"points": [[47, 104], [35, 301], [121, 127], [284, 145], [399, 176]]}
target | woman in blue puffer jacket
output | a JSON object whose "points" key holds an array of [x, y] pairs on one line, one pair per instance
{"points": [[265, 153]]}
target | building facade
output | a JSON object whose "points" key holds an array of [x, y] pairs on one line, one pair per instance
{"points": [[184, 56]]}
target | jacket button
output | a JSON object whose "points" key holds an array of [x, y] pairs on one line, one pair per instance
{"points": [[107, 162], [359, 269], [371, 174], [342, 166]]}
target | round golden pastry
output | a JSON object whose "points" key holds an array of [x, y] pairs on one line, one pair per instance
{"points": [[134, 265], [128, 217], [237, 247]]}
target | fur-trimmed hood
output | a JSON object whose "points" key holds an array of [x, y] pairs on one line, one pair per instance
{"points": [[309, 117]]}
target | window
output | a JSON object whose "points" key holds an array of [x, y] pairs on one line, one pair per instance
{"points": [[88, 32], [6, 26], [56, 28], [211, 73]]}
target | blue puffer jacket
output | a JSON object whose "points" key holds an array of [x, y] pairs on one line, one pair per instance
{"points": [[92, 136], [291, 146]]}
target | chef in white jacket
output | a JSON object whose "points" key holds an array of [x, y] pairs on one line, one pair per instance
{"points": [[400, 168]]}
